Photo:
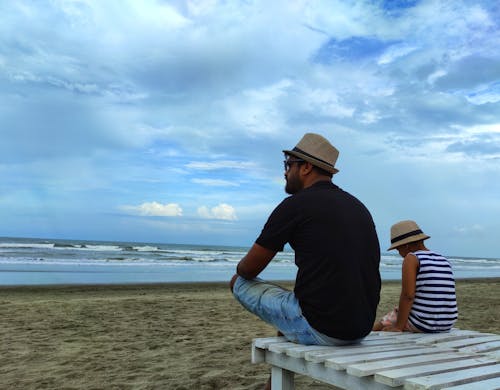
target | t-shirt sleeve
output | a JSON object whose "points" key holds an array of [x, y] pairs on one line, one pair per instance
{"points": [[279, 227]]}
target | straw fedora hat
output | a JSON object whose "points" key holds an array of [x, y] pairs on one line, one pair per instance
{"points": [[405, 232], [317, 150]]}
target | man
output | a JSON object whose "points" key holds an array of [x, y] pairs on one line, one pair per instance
{"points": [[337, 253]]}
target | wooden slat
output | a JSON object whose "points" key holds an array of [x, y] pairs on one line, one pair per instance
{"points": [[388, 341], [320, 356], [484, 347], [263, 342], [341, 362], [365, 369], [487, 384], [392, 335], [469, 341], [281, 347], [259, 346], [494, 354], [300, 351], [453, 378], [448, 336], [398, 376]]}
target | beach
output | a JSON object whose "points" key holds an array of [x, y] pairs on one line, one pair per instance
{"points": [[160, 336]]}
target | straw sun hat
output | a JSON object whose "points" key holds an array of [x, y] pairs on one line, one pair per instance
{"points": [[405, 232], [317, 150]]}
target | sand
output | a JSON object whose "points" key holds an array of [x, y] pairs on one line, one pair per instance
{"points": [[168, 336]]}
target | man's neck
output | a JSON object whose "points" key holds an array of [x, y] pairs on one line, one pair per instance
{"points": [[316, 179]]}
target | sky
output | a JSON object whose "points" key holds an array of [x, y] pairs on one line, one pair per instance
{"points": [[165, 121]]}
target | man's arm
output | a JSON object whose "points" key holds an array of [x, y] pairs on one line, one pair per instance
{"points": [[253, 263]]}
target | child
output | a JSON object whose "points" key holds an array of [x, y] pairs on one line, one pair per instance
{"points": [[427, 302]]}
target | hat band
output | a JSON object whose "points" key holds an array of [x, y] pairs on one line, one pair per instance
{"points": [[406, 235], [296, 149]]}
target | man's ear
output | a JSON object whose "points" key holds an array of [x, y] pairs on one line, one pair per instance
{"points": [[306, 168]]}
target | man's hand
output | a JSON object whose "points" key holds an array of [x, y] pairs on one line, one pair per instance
{"points": [[233, 280]]}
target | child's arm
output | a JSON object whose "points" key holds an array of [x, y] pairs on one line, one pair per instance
{"points": [[409, 281]]}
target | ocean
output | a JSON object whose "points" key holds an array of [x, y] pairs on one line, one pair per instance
{"points": [[29, 261]]}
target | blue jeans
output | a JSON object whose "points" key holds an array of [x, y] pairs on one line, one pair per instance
{"points": [[280, 308]]}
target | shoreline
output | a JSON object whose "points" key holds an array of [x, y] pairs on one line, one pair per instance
{"points": [[187, 283], [164, 335]]}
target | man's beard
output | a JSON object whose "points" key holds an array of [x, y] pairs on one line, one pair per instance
{"points": [[293, 184]]}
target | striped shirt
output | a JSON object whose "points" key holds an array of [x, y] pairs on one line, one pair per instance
{"points": [[435, 305]]}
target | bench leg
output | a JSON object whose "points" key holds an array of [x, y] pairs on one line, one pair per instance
{"points": [[281, 379]]}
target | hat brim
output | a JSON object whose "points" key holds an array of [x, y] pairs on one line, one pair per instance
{"points": [[312, 160], [418, 237]]}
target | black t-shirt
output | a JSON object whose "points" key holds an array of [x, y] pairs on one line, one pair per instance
{"points": [[337, 254]]}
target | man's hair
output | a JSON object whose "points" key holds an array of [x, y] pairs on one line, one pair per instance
{"points": [[322, 171]]}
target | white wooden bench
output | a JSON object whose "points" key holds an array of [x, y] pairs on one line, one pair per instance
{"points": [[459, 359]]}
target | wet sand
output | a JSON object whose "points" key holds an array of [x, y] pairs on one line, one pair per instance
{"points": [[165, 336]]}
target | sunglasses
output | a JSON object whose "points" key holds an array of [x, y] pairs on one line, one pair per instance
{"points": [[288, 163]]}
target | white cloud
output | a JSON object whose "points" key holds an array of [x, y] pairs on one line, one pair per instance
{"points": [[155, 209], [479, 130], [394, 52], [130, 16], [158, 14], [222, 211], [223, 164], [259, 110], [485, 95], [269, 93], [457, 145], [475, 229], [215, 182], [370, 117], [326, 102], [436, 75]]}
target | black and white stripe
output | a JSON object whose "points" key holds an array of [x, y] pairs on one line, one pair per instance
{"points": [[435, 306]]}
